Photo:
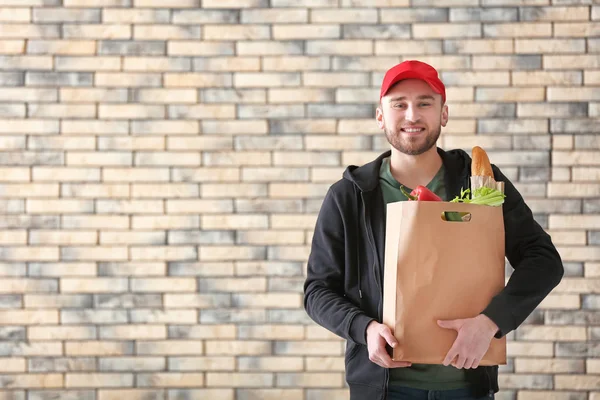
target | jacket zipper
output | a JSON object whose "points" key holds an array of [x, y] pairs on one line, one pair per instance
{"points": [[377, 282]]}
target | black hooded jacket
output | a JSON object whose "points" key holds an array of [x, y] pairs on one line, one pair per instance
{"points": [[343, 291]]}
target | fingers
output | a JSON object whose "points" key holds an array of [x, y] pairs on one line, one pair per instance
{"points": [[384, 360], [452, 353], [460, 363], [469, 363], [386, 333]]}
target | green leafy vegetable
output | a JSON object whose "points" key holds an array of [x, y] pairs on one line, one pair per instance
{"points": [[483, 195]]}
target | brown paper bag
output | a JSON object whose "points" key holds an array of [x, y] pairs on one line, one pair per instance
{"points": [[437, 269]]}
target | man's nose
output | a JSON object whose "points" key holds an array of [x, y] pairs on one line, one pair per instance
{"points": [[412, 114]]}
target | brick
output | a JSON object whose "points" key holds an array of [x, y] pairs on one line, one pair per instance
{"points": [[331, 80], [516, 62], [238, 32], [170, 347], [130, 111], [31, 349], [549, 366], [93, 317], [339, 110], [159, 127], [12, 364], [15, 14], [223, 64], [129, 207], [102, 31], [233, 95], [89, 253], [29, 31], [131, 269], [12, 78], [60, 111], [167, 253], [199, 143], [58, 79], [47, 332], [93, 285], [195, 48], [554, 13], [198, 206], [28, 317], [126, 300], [32, 381], [577, 382], [22, 62], [165, 32], [247, 127], [552, 109], [270, 16], [521, 126], [13, 46], [163, 284], [573, 221], [165, 158], [45, 15], [234, 3], [61, 364], [270, 237], [59, 206], [9, 301], [215, 379], [572, 94], [438, 30], [269, 48], [12, 236], [307, 348], [518, 30], [164, 317], [270, 394], [171, 380], [13, 143], [305, 3], [156, 64], [224, 394], [325, 364], [135, 16], [90, 190], [510, 95], [295, 63], [356, 31], [576, 29], [592, 78], [29, 127], [476, 78], [167, 96], [549, 46], [357, 63], [483, 14], [133, 394], [577, 61], [440, 3], [86, 127], [133, 332], [201, 332], [127, 79], [590, 349], [28, 94], [284, 190], [17, 285], [225, 253], [309, 380], [97, 3], [332, 394], [164, 190], [576, 158], [586, 174], [97, 380], [274, 79], [62, 269], [205, 16], [525, 381], [12, 332], [197, 80], [137, 363], [339, 47]]}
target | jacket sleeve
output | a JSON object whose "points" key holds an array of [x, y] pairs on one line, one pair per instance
{"points": [[537, 265], [324, 298]]}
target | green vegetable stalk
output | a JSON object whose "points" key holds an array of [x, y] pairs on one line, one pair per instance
{"points": [[483, 195]]}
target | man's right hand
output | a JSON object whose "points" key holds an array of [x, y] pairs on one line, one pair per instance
{"points": [[377, 337]]}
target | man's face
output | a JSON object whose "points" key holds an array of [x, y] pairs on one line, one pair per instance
{"points": [[412, 115]]}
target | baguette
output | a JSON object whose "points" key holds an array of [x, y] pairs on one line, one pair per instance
{"points": [[480, 165]]}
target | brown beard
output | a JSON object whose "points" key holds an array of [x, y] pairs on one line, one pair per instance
{"points": [[410, 147]]}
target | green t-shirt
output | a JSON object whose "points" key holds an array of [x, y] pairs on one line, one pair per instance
{"points": [[420, 376]]}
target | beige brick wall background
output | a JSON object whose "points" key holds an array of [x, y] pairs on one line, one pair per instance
{"points": [[162, 163]]}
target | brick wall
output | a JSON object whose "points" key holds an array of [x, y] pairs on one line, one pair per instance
{"points": [[161, 170]]}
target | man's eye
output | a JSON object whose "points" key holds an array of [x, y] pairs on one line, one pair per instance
{"points": [[425, 104], [399, 105]]}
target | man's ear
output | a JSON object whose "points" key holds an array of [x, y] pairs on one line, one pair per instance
{"points": [[444, 119], [379, 117]]}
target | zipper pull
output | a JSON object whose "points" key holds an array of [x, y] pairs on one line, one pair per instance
{"points": [[360, 293]]}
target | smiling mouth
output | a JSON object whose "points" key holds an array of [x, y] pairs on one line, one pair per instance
{"points": [[413, 130]]}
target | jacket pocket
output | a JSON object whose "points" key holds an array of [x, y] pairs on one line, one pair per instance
{"points": [[351, 352]]}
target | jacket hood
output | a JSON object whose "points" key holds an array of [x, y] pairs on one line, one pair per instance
{"points": [[456, 162]]}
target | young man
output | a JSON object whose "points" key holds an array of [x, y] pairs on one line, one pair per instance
{"points": [[344, 285]]}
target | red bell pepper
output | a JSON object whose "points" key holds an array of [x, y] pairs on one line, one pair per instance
{"points": [[420, 193]]}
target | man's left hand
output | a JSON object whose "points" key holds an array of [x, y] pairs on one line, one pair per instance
{"points": [[472, 342]]}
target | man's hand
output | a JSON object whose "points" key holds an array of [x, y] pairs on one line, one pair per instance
{"points": [[472, 342], [377, 337]]}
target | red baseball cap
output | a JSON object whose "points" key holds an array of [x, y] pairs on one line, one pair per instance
{"points": [[413, 69]]}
